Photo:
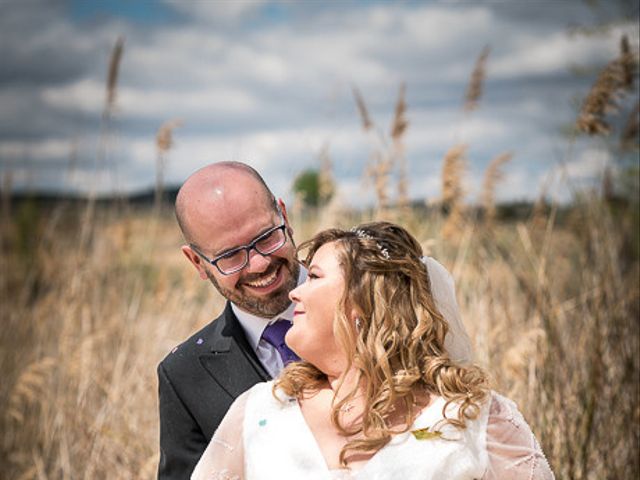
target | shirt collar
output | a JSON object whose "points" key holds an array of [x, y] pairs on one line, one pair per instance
{"points": [[254, 325]]}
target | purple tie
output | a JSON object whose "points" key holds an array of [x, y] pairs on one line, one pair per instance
{"points": [[274, 334]]}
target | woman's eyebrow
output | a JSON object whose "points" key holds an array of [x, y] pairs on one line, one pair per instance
{"points": [[314, 267]]}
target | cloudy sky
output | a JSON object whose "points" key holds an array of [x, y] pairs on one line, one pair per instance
{"points": [[270, 83]]}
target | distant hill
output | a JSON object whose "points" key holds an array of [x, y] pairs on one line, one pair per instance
{"points": [[142, 198]]}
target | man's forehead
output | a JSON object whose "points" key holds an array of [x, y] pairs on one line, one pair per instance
{"points": [[224, 230]]}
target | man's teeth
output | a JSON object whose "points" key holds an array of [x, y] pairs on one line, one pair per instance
{"points": [[265, 281]]}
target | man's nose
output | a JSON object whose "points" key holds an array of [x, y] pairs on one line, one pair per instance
{"points": [[257, 262]]}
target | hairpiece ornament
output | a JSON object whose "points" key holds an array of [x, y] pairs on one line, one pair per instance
{"points": [[364, 235], [358, 323]]}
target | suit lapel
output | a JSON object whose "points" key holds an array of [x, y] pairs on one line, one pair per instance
{"points": [[231, 361]]}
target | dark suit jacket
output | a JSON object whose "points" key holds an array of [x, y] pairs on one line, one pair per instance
{"points": [[198, 381]]}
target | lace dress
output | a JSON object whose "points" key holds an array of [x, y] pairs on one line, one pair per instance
{"points": [[262, 438]]}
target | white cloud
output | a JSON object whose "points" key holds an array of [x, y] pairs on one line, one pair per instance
{"points": [[36, 150], [590, 164], [216, 11], [89, 96], [86, 95], [439, 28], [557, 52], [273, 92]]}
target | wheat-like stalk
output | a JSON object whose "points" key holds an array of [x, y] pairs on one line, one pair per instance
{"points": [[29, 388], [164, 142], [398, 129], [475, 87], [379, 172], [629, 137], [111, 91], [628, 64], [381, 162], [112, 76], [400, 122], [325, 177], [492, 176], [367, 124], [164, 137], [617, 77], [453, 167]]}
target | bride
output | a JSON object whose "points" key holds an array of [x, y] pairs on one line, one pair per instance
{"points": [[384, 389]]}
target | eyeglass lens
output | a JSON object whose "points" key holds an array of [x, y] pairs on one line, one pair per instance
{"points": [[265, 245]]}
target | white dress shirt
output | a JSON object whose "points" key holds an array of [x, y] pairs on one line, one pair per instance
{"points": [[253, 327]]}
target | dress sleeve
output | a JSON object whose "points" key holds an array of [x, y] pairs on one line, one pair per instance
{"points": [[514, 452], [224, 457]]}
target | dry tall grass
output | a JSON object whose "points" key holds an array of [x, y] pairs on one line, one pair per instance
{"points": [[474, 89], [383, 158], [552, 308], [82, 331], [398, 128], [553, 317], [452, 202], [164, 142], [492, 176], [615, 81]]}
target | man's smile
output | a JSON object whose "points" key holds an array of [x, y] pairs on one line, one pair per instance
{"points": [[266, 282]]}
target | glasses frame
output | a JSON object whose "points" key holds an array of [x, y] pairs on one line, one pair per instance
{"points": [[247, 248]]}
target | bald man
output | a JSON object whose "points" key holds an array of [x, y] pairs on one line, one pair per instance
{"points": [[237, 236]]}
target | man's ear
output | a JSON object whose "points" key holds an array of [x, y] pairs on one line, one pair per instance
{"points": [[283, 208], [195, 260]]}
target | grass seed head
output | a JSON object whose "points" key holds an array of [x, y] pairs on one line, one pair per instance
{"points": [[474, 90]]}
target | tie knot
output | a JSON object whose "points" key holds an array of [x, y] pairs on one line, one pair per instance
{"points": [[275, 332], [274, 335]]}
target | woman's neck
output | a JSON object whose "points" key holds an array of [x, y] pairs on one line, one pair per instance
{"points": [[342, 382]]}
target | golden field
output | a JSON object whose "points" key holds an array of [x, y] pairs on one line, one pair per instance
{"points": [[552, 303]]}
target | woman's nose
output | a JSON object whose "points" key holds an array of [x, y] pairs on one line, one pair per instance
{"points": [[294, 294]]}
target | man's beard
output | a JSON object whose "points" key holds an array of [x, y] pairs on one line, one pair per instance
{"points": [[265, 306]]}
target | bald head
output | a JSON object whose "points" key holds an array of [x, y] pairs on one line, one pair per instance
{"points": [[220, 196]]}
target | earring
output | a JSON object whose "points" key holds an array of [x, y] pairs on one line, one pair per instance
{"points": [[358, 323]]}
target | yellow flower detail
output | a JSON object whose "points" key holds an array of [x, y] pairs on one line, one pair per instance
{"points": [[426, 434]]}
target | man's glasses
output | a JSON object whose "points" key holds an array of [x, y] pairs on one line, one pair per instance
{"points": [[236, 259]]}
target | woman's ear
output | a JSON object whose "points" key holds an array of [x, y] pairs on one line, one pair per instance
{"points": [[356, 318]]}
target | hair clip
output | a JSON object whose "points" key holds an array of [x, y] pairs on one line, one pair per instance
{"points": [[364, 235]]}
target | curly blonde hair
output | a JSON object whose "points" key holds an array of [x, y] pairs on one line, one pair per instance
{"points": [[398, 349]]}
